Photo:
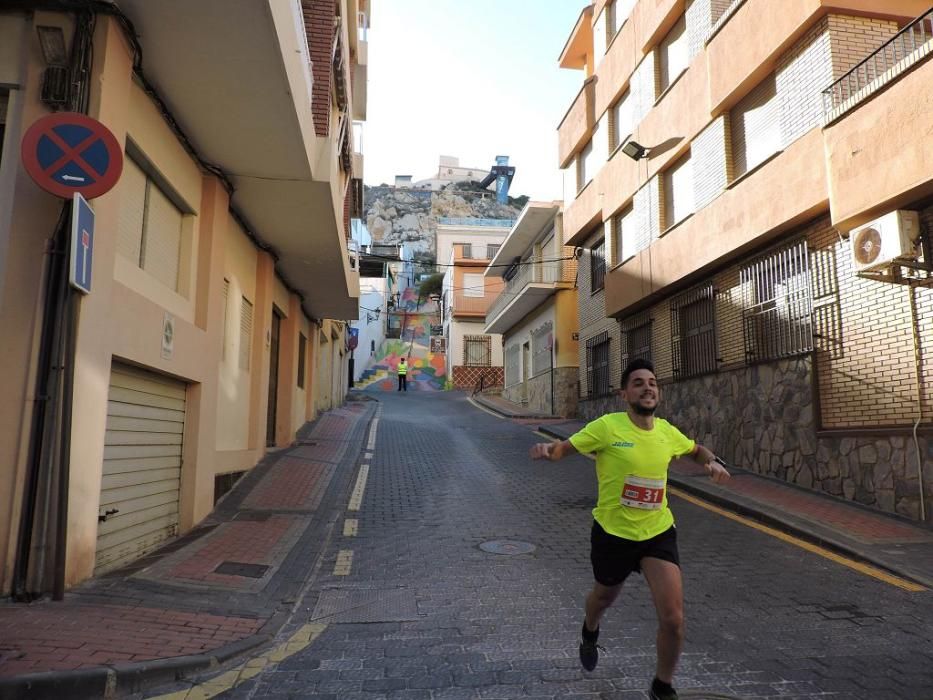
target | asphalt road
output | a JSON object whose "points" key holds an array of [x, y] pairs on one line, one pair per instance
{"points": [[419, 610]]}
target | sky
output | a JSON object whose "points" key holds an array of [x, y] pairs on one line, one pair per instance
{"points": [[472, 79]]}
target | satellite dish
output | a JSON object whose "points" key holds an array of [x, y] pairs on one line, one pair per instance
{"points": [[867, 246]]}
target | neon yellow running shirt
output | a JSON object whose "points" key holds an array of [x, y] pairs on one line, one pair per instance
{"points": [[631, 467]]}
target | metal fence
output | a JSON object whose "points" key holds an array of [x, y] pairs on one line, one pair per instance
{"points": [[777, 311], [693, 333], [891, 59]]}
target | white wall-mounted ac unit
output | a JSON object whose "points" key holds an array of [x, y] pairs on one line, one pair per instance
{"points": [[882, 241]]}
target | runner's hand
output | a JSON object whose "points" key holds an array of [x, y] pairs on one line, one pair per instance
{"points": [[718, 473], [541, 450]]}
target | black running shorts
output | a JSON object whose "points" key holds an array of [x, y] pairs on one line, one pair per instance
{"points": [[614, 558]]}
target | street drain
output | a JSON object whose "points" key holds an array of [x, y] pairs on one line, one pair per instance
{"points": [[507, 547], [235, 568], [381, 605]]}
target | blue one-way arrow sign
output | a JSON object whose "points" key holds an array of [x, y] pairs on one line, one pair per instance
{"points": [[82, 244]]}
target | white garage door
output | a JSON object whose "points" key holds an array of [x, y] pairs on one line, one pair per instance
{"points": [[142, 465]]}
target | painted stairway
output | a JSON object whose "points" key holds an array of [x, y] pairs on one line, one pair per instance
{"points": [[426, 370]]}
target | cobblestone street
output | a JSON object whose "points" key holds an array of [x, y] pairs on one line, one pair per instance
{"points": [[418, 610]]}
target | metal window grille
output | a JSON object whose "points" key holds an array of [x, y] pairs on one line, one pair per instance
{"points": [[541, 349], [777, 314], [513, 370], [491, 250], [636, 338], [477, 351], [466, 250], [693, 333], [597, 365], [598, 266], [302, 352]]}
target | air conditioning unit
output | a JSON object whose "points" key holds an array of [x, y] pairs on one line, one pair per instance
{"points": [[884, 240]]}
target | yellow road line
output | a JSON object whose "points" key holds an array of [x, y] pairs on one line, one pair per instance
{"points": [[344, 562], [251, 668], [866, 569], [356, 498], [484, 409], [350, 527]]}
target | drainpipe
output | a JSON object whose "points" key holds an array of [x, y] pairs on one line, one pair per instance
{"points": [[918, 374]]}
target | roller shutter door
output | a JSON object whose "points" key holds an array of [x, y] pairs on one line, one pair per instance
{"points": [[142, 465]]}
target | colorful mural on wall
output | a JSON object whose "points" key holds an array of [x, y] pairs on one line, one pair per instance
{"points": [[426, 370]]}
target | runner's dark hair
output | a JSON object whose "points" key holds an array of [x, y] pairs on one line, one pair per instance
{"points": [[635, 365]]}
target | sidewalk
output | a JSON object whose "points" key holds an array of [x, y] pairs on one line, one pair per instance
{"points": [[886, 541], [225, 587]]}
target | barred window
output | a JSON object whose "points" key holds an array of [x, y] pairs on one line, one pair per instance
{"points": [[693, 333], [541, 349], [598, 266], [636, 338], [491, 250], [477, 351], [597, 365], [513, 370], [776, 317]]}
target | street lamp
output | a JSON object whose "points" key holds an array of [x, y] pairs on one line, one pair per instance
{"points": [[634, 150]]}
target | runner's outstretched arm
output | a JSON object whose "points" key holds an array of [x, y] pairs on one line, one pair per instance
{"points": [[717, 472], [552, 450]]}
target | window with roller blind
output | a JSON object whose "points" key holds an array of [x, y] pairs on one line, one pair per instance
{"points": [[150, 226], [673, 54]]}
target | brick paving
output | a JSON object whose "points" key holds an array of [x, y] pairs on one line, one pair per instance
{"points": [[48, 638], [173, 603], [766, 619]]}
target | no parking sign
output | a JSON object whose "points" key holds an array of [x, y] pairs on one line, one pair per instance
{"points": [[68, 153]]}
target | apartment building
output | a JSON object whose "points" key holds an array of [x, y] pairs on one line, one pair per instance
{"points": [[216, 322], [536, 312], [465, 247], [750, 183]]}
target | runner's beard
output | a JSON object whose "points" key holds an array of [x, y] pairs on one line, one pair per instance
{"points": [[644, 410]]}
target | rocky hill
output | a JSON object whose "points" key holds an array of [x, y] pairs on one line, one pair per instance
{"points": [[410, 215]]}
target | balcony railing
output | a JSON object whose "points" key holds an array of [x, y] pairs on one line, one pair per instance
{"points": [[464, 304], [904, 50], [530, 271], [467, 221]]}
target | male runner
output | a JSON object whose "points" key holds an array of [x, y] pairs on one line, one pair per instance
{"points": [[633, 528]]}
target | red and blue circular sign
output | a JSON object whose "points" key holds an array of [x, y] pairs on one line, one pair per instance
{"points": [[69, 152]]}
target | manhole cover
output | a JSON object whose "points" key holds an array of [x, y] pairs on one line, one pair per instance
{"points": [[235, 568], [507, 547]]}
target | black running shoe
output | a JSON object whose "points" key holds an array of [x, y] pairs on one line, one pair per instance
{"points": [[662, 695], [589, 654]]}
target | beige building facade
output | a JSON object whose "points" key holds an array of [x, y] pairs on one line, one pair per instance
{"points": [[762, 236], [220, 258], [536, 312]]}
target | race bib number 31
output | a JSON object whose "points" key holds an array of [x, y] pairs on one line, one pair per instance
{"points": [[647, 494]]}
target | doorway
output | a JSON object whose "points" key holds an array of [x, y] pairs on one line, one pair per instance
{"points": [[273, 377]]}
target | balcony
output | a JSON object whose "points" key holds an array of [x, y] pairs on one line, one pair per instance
{"points": [[533, 282], [871, 167], [361, 67], [471, 307], [577, 125], [909, 47]]}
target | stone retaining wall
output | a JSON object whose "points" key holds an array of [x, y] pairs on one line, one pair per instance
{"points": [[763, 418]]}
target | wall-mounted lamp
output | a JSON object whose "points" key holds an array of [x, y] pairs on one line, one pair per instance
{"points": [[634, 150]]}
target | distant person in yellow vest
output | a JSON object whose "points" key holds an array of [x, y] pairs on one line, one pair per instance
{"points": [[402, 375]]}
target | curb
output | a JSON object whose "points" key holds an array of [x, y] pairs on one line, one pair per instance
{"points": [[760, 513], [498, 411], [116, 680]]}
